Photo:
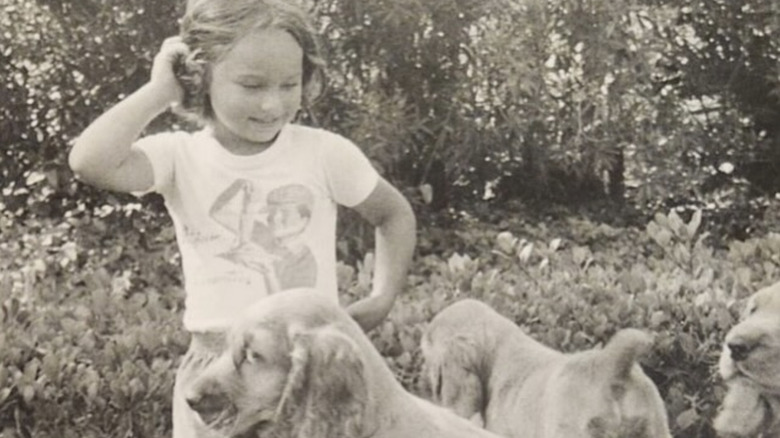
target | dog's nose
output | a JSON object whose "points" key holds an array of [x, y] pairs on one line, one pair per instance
{"points": [[739, 350], [209, 406]]}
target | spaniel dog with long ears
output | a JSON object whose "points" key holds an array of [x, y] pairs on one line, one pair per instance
{"points": [[298, 366], [485, 368]]}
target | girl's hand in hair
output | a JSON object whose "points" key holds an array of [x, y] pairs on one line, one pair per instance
{"points": [[167, 62]]}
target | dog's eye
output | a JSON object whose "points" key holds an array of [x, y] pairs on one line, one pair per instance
{"points": [[246, 356], [252, 357]]}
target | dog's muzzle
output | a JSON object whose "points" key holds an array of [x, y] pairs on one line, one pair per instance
{"points": [[739, 350], [213, 408]]}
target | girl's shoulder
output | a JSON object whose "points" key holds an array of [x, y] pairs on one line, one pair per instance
{"points": [[172, 137], [327, 147], [314, 136]]}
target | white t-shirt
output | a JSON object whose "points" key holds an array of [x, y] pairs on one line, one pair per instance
{"points": [[250, 226]]}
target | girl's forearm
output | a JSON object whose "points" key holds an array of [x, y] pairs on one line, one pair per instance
{"points": [[106, 143], [395, 243]]}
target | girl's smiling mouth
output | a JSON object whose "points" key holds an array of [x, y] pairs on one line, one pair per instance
{"points": [[264, 122]]}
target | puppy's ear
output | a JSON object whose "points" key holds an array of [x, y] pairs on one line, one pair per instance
{"points": [[623, 351], [326, 392], [454, 367]]}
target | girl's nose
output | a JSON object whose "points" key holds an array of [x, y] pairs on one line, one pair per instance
{"points": [[270, 100]]}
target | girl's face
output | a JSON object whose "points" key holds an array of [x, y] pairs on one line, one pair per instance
{"points": [[256, 89]]}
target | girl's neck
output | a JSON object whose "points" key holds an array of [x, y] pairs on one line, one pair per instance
{"points": [[240, 146]]}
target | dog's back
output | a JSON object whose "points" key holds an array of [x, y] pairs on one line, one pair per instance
{"points": [[484, 367]]}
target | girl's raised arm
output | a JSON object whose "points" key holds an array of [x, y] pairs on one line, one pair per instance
{"points": [[102, 155]]}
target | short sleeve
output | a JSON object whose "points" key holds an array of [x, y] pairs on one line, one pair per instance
{"points": [[351, 176], [160, 150]]}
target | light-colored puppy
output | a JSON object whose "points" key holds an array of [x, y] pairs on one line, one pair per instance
{"points": [[298, 366], [484, 367], [750, 366]]}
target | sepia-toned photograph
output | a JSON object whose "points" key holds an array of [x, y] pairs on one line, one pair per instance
{"points": [[390, 218]]}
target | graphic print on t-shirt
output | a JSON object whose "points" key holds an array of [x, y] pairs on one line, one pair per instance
{"points": [[268, 232]]}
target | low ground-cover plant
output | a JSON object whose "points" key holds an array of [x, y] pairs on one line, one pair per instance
{"points": [[90, 320], [86, 348], [567, 294]]}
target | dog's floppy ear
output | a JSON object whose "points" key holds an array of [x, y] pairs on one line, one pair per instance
{"points": [[766, 299], [326, 393], [455, 367], [622, 352]]}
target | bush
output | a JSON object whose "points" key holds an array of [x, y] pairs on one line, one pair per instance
{"points": [[558, 101]]}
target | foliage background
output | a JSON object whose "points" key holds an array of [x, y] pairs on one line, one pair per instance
{"points": [[583, 165]]}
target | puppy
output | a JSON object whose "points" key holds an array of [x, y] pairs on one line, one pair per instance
{"points": [[750, 366], [483, 367], [298, 366]]}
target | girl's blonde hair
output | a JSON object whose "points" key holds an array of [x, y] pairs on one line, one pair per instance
{"points": [[211, 27]]}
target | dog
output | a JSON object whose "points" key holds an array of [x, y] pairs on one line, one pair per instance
{"points": [[297, 365], [485, 368], [750, 366]]}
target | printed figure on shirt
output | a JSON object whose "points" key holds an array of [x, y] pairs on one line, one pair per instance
{"points": [[274, 247]]}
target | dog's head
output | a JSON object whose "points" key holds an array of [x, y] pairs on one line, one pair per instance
{"points": [[750, 365], [604, 393], [287, 371], [752, 348]]}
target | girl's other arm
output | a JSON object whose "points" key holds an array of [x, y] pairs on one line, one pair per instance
{"points": [[388, 210], [102, 155]]}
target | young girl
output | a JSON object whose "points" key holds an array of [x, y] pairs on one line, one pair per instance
{"points": [[253, 196]]}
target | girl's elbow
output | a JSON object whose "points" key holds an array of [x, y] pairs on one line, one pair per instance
{"points": [[408, 215], [400, 217], [76, 162], [80, 167], [404, 222], [78, 157], [83, 169]]}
